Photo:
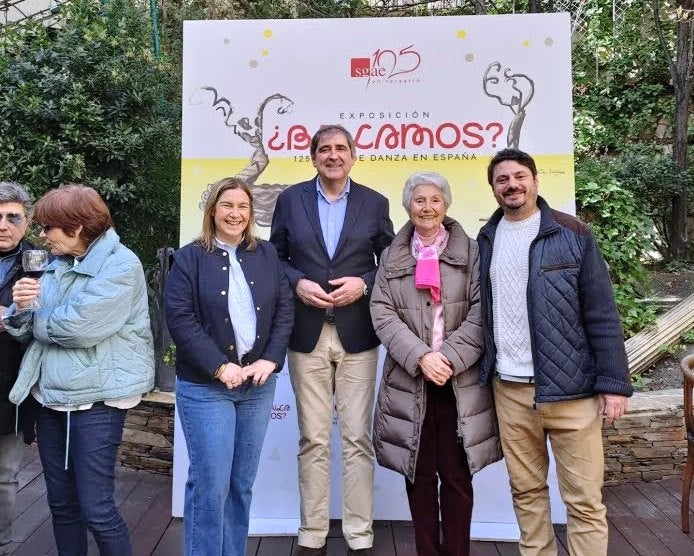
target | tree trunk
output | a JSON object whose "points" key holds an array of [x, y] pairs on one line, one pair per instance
{"points": [[683, 81], [480, 7], [534, 6]]}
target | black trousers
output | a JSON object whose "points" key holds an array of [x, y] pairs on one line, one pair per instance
{"points": [[441, 458]]}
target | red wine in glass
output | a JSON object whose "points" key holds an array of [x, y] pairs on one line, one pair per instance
{"points": [[35, 274], [34, 262]]}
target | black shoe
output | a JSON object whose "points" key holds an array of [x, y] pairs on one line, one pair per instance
{"points": [[308, 551], [360, 551]]}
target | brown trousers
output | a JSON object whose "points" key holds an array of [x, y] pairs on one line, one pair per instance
{"points": [[574, 429], [441, 457]]}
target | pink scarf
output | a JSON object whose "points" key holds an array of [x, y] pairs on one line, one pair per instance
{"points": [[427, 274]]}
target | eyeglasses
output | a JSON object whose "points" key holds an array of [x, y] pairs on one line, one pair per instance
{"points": [[12, 218]]}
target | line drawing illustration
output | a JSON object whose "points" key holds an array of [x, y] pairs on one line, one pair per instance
{"points": [[514, 90], [264, 194]]}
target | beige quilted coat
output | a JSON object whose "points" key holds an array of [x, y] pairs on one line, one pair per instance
{"points": [[402, 318]]}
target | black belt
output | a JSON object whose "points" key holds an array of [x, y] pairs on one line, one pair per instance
{"points": [[330, 318], [514, 378]]}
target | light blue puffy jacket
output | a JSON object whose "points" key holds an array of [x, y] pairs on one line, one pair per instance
{"points": [[90, 338]]}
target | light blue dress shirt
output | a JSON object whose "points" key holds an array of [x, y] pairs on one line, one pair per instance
{"points": [[240, 300], [332, 216]]}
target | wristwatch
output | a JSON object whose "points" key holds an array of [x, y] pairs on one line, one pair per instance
{"points": [[366, 290]]}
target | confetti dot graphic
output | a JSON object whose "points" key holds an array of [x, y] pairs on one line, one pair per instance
{"points": [[470, 57], [462, 34], [253, 64], [267, 33], [265, 52], [549, 41], [226, 41], [526, 43]]}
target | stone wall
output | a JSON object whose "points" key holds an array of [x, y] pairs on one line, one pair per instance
{"points": [[149, 434], [647, 444]]}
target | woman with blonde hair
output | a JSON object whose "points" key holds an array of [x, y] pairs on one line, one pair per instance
{"points": [[230, 311]]}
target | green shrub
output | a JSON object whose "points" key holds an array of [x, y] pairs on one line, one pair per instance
{"points": [[622, 83], [640, 382], [653, 178], [623, 234], [88, 102]]}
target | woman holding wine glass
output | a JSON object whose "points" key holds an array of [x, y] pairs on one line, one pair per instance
{"points": [[89, 360]]}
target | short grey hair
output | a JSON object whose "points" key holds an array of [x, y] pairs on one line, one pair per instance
{"points": [[426, 178], [328, 131], [12, 192]]}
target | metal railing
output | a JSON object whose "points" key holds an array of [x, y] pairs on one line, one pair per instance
{"points": [[165, 377], [16, 11]]}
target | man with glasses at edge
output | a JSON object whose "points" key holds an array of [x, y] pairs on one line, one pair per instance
{"points": [[15, 216]]}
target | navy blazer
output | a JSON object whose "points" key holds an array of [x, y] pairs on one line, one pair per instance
{"points": [[297, 235], [197, 310]]}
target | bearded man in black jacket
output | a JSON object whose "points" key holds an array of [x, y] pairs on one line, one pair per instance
{"points": [[15, 216], [554, 352]]}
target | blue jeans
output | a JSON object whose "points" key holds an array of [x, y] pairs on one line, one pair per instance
{"points": [[224, 431], [81, 497]]}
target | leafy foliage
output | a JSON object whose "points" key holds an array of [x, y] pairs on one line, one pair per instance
{"points": [[653, 178], [623, 234], [622, 86], [640, 382], [268, 9], [87, 102], [671, 349]]}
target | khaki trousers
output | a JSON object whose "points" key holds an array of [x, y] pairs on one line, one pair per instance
{"points": [[574, 429], [330, 373]]}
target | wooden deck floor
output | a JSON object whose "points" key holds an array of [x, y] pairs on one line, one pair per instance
{"points": [[643, 518]]}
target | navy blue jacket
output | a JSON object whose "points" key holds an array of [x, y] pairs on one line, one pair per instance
{"points": [[297, 235], [576, 335], [11, 351], [197, 311]]}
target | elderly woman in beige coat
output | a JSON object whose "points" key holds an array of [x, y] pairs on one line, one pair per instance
{"points": [[433, 421]]}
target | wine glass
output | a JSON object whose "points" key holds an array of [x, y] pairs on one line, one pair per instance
{"points": [[34, 263]]}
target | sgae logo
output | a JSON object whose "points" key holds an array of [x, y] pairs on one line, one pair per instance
{"points": [[386, 64]]}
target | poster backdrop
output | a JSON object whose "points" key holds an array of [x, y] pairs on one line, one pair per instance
{"points": [[437, 93]]}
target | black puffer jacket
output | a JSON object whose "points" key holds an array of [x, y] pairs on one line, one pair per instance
{"points": [[575, 332], [10, 358]]}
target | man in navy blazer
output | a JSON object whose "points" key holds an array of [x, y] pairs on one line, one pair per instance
{"points": [[329, 232]]}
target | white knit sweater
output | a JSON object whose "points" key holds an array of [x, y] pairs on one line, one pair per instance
{"points": [[509, 277]]}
